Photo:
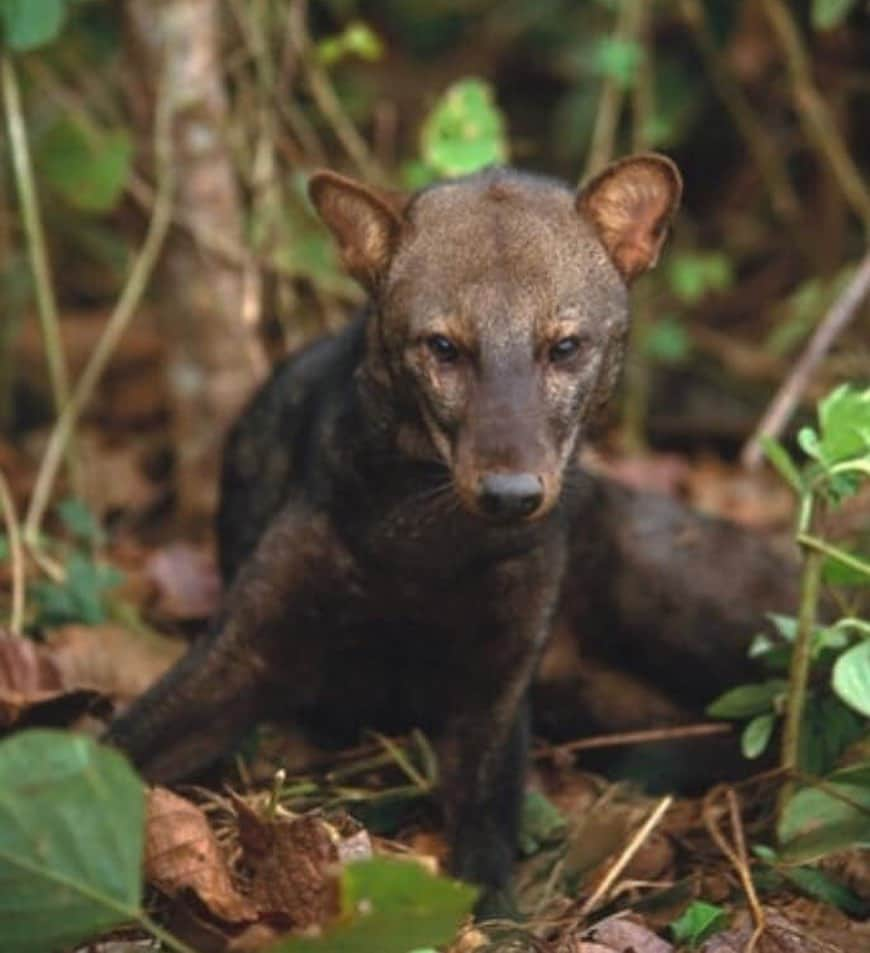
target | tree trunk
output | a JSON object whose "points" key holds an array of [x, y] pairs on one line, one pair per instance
{"points": [[208, 302]]}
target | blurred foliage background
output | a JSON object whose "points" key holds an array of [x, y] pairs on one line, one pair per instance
{"points": [[762, 103]]}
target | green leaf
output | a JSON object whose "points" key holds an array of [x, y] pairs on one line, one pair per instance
{"points": [[667, 341], [357, 39], [851, 677], [390, 906], [89, 167], [817, 821], [779, 457], [827, 14], [618, 59], [747, 701], [819, 885], [692, 275], [80, 597], [540, 823], [465, 131], [698, 922], [756, 735], [71, 832], [844, 423], [28, 24], [80, 522], [828, 728]]}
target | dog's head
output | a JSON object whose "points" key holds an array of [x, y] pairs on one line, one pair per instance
{"points": [[502, 311]]}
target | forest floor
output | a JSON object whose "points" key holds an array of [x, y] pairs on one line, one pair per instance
{"points": [[606, 868]]}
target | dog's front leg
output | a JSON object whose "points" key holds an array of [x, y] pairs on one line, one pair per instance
{"points": [[265, 646], [486, 749]]}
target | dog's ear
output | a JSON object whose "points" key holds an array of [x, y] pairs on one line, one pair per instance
{"points": [[630, 204], [366, 223]]}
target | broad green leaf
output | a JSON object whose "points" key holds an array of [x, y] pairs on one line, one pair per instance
{"points": [[851, 677], [756, 735], [779, 457], [28, 24], [71, 830], [540, 823], [465, 131], [698, 922], [828, 728], [844, 425], [746, 701], [392, 907], [88, 167], [827, 14], [79, 521], [818, 821]]}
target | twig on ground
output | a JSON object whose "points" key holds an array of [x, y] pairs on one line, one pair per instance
{"points": [[813, 112], [736, 854], [645, 736], [841, 312], [129, 301], [603, 888], [16, 555]]}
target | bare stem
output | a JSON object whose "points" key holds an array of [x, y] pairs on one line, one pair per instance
{"points": [[814, 114], [26, 186], [128, 302], [765, 150], [612, 98], [811, 579], [781, 407], [16, 553], [328, 102]]}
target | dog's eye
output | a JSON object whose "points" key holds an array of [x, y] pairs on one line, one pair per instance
{"points": [[442, 348], [562, 350]]}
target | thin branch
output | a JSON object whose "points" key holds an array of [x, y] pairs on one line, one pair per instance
{"points": [[841, 312], [813, 112], [612, 97], [765, 150], [801, 658], [736, 855], [646, 736], [603, 888], [16, 554], [26, 186], [128, 302], [328, 102]]}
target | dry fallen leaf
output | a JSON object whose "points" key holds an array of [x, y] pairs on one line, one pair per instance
{"points": [[622, 933], [111, 659], [32, 683], [182, 853], [294, 863]]}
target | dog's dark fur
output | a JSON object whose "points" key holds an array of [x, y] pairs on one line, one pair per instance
{"points": [[402, 515]]}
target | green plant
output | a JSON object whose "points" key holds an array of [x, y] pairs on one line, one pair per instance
{"points": [[71, 840], [825, 703]]}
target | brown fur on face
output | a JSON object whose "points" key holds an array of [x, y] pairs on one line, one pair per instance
{"points": [[504, 354]]}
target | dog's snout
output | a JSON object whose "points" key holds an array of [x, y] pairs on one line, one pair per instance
{"points": [[510, 495]]}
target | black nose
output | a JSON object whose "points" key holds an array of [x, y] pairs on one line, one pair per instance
{"points": [[510, 495]]}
